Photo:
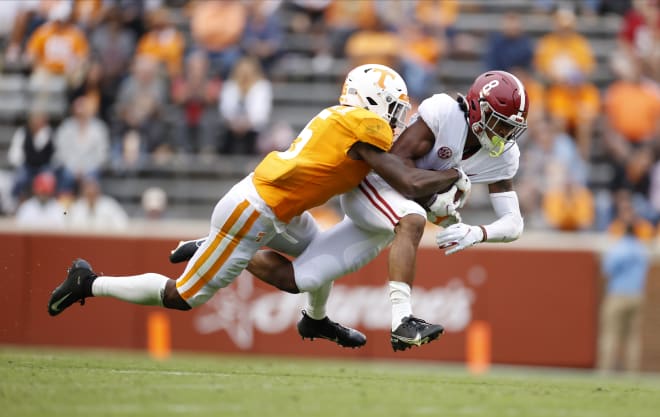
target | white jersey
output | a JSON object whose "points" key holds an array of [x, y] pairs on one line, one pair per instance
{"points": [[447, 121], [374, 208]]}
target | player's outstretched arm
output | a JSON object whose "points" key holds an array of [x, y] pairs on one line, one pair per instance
{"points": [[507, 228], [410, 182]]}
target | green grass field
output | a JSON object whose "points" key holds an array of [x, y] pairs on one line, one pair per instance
{"points": [[99, 383]]}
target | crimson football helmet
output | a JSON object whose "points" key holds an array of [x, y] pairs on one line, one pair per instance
{"points": [[497, 110], [377, 88]]}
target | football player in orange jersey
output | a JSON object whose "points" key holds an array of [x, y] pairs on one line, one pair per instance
{"points": [[331, 156]]}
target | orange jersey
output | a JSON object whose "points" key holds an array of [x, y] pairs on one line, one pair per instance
{"points": [[54, 48], [316, 166]]}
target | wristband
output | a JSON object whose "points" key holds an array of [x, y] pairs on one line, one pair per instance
{"points": [[483, 229]]}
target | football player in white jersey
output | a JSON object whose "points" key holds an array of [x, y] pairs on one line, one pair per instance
{"points": [[475, 134]]}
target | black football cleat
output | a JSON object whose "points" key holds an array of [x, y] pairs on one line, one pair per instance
{"points": [[72, 289], [328, 329], [185, 250], [414, 332]]}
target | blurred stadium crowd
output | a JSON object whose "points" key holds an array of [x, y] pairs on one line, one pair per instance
{"points": [[100, 100]]}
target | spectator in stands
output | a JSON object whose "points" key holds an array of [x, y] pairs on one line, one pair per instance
{"points": [[245, 106], [624, 216], [31, 152], [91, 86], [81, 146], [438, 14], [548, 157], [113, 46], [196, 95], [88, 13], [631, 131], [308, 15], [221, 41], [343, 18], [154, 203], [263, 35], [373, 44], [565, 59], [568, 205], [625, 266], [21, 18], [640, 35], [421, 51], [307, 20], [163, 42], [395, 14], [42, 210], [134, 13], [509, 48], [94, 210], [57, 49], [137, 131]]}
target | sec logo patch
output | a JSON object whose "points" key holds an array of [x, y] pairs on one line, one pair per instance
{"points": [[445, 153]]}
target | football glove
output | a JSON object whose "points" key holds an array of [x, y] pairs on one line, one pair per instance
{"points": [[459, 236], [443, 204]]}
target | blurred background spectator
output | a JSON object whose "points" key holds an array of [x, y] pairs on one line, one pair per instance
{"points": [[94, 210], [552, 179], [631, 131], [154, 203], [263, 36], [510, 48], [216, 27], [245, 106], [31, 152], [162, 42], [565, 60], [137, 127], [195, 95], [374, 42], [42, 210], [113, 46], [640, 35], [625, 266], [57, 50], [81, 146], [422, 49]]}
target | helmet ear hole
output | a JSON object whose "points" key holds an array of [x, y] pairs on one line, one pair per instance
{"points": [[372, 101]]}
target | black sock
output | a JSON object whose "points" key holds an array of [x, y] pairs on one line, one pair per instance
{"points": [[87, 286]]}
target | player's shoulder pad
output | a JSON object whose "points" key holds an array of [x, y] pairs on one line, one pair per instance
{"points": [[373, 129]]}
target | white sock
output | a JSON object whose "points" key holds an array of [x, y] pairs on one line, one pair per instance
{"points": [[316, 301], [146, 289], [401, 305]]}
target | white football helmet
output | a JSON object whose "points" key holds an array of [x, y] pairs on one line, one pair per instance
{"points": [[380, 89]]}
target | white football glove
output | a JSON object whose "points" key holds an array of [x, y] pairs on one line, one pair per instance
{"points": [[443, 204], [464, 184], [460, 236]]}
